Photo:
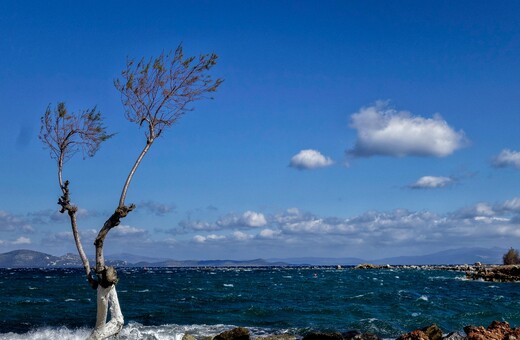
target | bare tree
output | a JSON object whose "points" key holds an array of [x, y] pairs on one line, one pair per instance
{"points": [[155, 94]]}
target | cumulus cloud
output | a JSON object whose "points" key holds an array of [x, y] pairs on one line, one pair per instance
{"points": [[126, 231], [430, 182], [241, 236], [247, 219], [507, 158], [481, 223], [204, 239], [310, 159], [387, 132], [187, 225], [22, 240], [269, 233]]}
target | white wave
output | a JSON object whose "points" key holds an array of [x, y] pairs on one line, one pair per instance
{"points": [[49, 334], [134, 331], [229, 285], [423, 297]]}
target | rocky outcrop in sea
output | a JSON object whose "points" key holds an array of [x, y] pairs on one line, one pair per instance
{"points": [[497, 330], [509, 273]]}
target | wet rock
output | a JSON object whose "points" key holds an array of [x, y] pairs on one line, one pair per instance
{"points": [[356, 335], [278, 337], [509, 273], [323, 336], [496, 331], [239, 333], [414, 335], [454, 336], [367, 266], [188, 337], [433, 332]]}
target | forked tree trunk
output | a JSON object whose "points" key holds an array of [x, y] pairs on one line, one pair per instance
{"points": [[107, 299]]}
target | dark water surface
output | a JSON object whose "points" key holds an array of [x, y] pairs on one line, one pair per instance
{"points": [[171, 301]]}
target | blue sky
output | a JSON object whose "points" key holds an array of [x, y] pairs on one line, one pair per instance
{"points": [[343, 128]]}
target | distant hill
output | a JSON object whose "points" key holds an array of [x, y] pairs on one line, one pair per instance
{"points": [[34, 259], [26, 259], [320, 261], [452, 256]]}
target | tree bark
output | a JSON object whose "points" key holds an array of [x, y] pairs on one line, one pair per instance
{"points": [[107, 297]]}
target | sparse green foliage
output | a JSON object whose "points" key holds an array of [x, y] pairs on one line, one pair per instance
{"points": [[66, 133], [511, 257], [158, 91]]}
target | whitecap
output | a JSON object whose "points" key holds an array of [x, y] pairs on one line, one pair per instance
{"points": [[228, 285], [143, 291], [423, 297]]}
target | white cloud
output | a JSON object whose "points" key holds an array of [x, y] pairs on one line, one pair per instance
{"points": [[199, 239], [426, 182], [247, 219], [507, 158], [269, 233], [21, 240], [512, 204], [310, 159], [125, 230], [241, 236], [197, 225], [387, 132], [212, 237], [253, 219]]}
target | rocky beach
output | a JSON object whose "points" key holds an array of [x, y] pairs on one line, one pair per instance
{"points": [[497, 330]]}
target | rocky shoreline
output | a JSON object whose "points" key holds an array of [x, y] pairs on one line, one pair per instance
{"points": [[477, 271], [497, 330]]}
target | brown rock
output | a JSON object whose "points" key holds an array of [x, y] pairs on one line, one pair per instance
{"points": [[323, 336], [433, 332], [278, 337], [239, 333], [496, 331], [356, 335], [454, 336], [415, 335], [514, 335], [188, 337]]}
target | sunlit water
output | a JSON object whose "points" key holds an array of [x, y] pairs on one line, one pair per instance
{"points": [[165, 303]]}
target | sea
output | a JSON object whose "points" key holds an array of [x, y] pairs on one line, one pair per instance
{"points": [[166, 303]]}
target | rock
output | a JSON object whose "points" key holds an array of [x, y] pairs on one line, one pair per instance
{"points": [[188, 337], [509, 273], [239, 333], [433, 332], [323, 336], [496, 331], [356, 335], [454, 336], [367, 266], [415, 335], [278, 337]]}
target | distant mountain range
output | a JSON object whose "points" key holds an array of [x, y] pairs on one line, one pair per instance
{"points": [[34, 259]]}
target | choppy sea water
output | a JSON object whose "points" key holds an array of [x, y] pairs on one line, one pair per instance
{"points": [[165, 303]]}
